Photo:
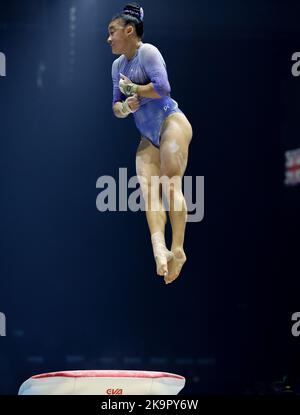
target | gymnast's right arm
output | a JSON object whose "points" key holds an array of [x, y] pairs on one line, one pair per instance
{"points": [[120, 109]]}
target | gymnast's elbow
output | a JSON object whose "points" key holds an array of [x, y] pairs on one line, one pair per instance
{"points": [[162, 89]]}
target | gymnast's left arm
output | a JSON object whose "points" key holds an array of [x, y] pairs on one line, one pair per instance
{"points": [[129, 88], [155, 68], [147, 91]]}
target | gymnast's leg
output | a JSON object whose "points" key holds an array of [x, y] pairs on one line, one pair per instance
{"points": [[148, 166], [175, 139]]}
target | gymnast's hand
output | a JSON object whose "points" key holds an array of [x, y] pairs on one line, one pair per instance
{"points": [[133, 102], [127, 87]]}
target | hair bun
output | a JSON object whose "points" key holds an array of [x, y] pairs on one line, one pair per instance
{"points": [[134, 10]]}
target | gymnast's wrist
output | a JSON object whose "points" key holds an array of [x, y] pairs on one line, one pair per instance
{"points": [[133, 89]]}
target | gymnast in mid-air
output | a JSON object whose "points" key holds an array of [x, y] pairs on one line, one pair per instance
{"points": [[141, 87]]}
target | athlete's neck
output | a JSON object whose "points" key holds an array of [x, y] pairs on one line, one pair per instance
{"points": [[131, 51]]}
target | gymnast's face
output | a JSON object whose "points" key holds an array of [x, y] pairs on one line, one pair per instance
{"points": [[118, 36]]}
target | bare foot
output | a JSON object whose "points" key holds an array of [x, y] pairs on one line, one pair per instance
{"points": [[161, 253], [175, 265], [162, 262]]}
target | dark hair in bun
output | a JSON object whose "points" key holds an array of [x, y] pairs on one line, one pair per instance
{"points": [[134, 10], [133, 14]]}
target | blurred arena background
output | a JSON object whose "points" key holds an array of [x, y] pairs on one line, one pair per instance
{"points": [[77, 286]]}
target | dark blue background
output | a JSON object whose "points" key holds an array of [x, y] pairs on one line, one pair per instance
{"points": [[79, 287]]}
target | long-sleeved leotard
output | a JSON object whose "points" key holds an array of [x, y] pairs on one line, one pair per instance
{"points": [[146, 66]]}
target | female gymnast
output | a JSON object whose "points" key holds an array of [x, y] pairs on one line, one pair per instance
{"points": [[141, 87]]}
